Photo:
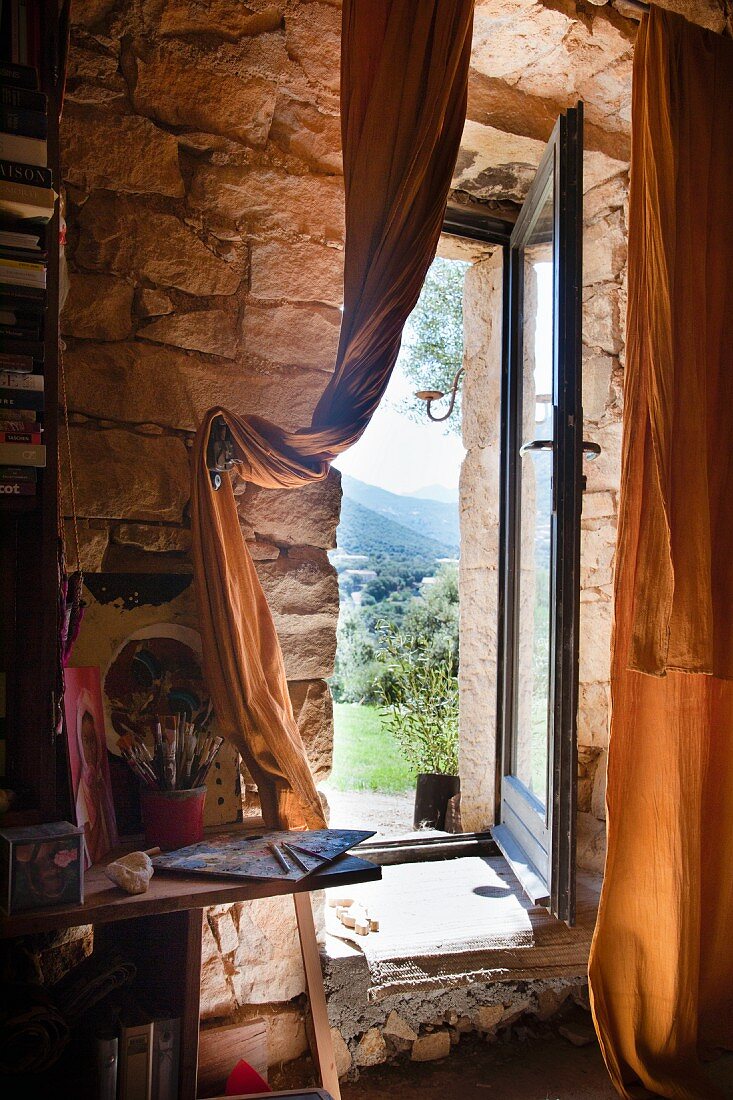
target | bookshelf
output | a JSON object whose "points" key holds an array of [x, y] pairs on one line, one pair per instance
{"points": [[33, 764]]}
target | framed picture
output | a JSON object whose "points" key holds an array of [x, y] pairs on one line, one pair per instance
{"points": [[88, 761], [40, 865]]}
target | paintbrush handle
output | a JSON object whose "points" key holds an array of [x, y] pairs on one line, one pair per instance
{"points": [[275, 851]]}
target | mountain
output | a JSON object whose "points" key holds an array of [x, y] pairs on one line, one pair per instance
{"points": [[364, 531], [432, 519], [435, 492]]}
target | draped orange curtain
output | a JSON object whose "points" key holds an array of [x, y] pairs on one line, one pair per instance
{"points": [[661, 968], [404, 74]]}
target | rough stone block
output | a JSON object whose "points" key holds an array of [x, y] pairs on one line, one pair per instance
{"points": [[598, 505], [398, 1029], [602, 321], [137, 157], [593, 714], [225, 930], [173, 85], [302, 272], [430, 1047], [604, 249], [154, 538], [342, 1054], [211, 331], [93, 542], [598, 798], [595, 640], [227, 19], [288, 517], [268, 962], [154, 384], [597, 373], [303, 597], [597, 554], [119, 234], [293, 336], [217, 998], [591, 842], [97, 307], [128, 476], [261, 197], [313, 37], [371, 1049], [488, 1017], [286, 1036], [153, 303], [313, 709], [314, 136]]}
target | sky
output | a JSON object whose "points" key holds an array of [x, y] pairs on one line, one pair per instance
{"points": [[399, 454], [403, 456]]}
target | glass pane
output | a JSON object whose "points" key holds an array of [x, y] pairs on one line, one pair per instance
{"points": [[533, 681]]}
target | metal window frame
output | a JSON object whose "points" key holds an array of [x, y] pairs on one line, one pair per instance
{"points": [[539, 845]]}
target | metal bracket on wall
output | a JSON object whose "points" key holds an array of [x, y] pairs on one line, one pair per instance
{"points": [[220, 451]]}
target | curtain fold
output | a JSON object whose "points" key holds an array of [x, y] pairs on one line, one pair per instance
{"points": [[661, 967], [404, 76]]}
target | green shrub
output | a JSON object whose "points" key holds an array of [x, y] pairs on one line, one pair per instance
{"points": [[418, 694]]}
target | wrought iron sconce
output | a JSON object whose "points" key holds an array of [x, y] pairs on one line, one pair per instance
{"points": [[219, 452], [437, 395]]}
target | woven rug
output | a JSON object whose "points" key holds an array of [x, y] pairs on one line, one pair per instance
{"points": [[462, 921]]}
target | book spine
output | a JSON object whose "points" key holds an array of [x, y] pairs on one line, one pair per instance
{"points": [[19, 120], [23, 32], [21, 364], [20, 76], [19, 473], [15, 488], [18, 332], [30, 416], [21, 399], [35, 348], [136, 1062], [23, 98], [12, 171], [19, 425], [20, 200], [12, 381], [22, 454], [20, 437], [35, 295], [27, 150]]}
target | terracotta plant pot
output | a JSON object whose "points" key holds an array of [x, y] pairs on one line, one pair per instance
{"points": [[432, 795], [173, 819]]}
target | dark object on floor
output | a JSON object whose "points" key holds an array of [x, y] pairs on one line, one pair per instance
{"points": [[432, 795], [33, 1033]]}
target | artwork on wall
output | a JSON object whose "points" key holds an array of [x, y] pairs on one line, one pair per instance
{"points": [[88, 761]]}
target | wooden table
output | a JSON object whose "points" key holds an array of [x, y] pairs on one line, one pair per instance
{"points": [[161, 932]]}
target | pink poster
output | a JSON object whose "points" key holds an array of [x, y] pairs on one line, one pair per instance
{"points": [[89, 767]]}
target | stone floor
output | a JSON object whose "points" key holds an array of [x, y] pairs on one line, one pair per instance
{"points": [[539, 1069]]}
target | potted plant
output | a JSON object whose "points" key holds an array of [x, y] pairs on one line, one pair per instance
{"points": [[418, 693]]}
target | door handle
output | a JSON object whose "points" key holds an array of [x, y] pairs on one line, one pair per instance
{"points": [[591, 450], [537, 445]]}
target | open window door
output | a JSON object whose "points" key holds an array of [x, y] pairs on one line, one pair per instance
{"points": [[542, 485]]}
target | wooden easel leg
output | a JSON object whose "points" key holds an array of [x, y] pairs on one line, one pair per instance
{"points": [[316, 994]]}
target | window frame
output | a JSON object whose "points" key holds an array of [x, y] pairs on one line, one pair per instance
{"points": [[539, 842]]}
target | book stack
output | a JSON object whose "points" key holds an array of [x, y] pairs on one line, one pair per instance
{"points": [[27, 201]]}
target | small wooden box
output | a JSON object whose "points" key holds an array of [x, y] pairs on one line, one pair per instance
{"points": [[41, 865]]}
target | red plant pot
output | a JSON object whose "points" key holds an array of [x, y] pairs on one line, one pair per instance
{"points": [[173, 819]]}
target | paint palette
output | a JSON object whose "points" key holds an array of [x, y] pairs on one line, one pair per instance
{"points": [[252, 855]]}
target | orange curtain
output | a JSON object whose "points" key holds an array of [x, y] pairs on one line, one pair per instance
{"points": [[404, 74], [661, 967]]}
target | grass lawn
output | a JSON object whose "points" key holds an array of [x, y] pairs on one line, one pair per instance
{"points": [[365, 755]]}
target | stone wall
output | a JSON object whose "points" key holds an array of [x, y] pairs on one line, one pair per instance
{"points": [[204, 202]]}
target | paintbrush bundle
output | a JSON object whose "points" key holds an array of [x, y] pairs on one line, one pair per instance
{"points": [[181, 757]]}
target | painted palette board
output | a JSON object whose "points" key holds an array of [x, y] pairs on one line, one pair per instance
{"points": [[247, 855]]}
